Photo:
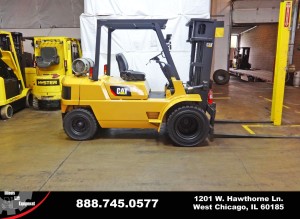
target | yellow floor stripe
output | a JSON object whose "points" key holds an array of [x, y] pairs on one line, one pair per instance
{"points": [[287, 107], [270, 126], [248, 129]]}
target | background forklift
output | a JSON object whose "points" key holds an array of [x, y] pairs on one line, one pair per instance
{"points": [[242, 58], [90, 102], [13, 92], [52, 60]]}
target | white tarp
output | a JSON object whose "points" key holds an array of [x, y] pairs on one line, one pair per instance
{"points": [[139, 46], [147, 7]]}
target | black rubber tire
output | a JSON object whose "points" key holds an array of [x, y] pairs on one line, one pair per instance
{"points": [[6, 111], [221, 77], [29, 99], [35, 103], [80, 124], [188, 126]]}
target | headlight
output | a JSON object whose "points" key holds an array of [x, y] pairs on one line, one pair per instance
{"points": [[82, 66]]}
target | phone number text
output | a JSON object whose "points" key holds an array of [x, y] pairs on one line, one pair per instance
{"points": [[116, 203]]}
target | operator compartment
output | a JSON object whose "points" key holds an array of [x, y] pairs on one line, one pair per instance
{"points": [[118, 89], [49, 54]]}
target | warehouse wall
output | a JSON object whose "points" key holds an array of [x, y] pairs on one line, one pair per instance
{"points": [[262, 41], [255, 11], [40, 13], [41, 18], [220, 10]]}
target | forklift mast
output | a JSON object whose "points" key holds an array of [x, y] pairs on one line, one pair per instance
{"points": [[18, 41], [201, 36]]}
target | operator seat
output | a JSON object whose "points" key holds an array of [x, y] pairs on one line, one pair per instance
{"points": [[125, 73], [48, 57]]}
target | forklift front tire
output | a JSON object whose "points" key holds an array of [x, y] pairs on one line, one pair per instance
{"points": [[7, 112], [80, 124], [188, 126]]}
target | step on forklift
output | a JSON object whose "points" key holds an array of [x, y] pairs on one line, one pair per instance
{"points": [[52, 60], [90, 101], [13, 92]]}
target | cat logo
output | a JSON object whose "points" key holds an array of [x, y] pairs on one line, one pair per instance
{"points": [[209, 45], [120, 91]]}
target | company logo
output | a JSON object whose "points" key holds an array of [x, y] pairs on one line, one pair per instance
{"points": [[209, 45], [12, 201], [18, 203], [44, 82], [120, 91]]}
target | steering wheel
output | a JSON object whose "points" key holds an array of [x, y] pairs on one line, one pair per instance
{"points": [[156, 58]]}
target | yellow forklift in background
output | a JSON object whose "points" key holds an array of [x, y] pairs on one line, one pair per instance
{"points": [[13, 91], [52, 60]]}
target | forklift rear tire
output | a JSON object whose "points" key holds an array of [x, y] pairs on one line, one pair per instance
{"points": [[80, 124], [35, 103], [7, 112], [29, 99], [221, 77], [188, 126]]}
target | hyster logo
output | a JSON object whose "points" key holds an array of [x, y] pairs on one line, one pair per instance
{"points": [[47, 82], [120, 91]]}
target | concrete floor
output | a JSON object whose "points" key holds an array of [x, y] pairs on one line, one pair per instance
{"points": [[36, 155]]}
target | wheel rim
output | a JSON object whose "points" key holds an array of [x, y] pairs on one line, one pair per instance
{"points": [[10, 111], [6, 112], [220, 77], [188, 126], [80, 125]]}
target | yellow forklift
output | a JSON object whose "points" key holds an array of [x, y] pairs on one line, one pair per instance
{"points": [[52, 60], [91, 101], [13, 92]]}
